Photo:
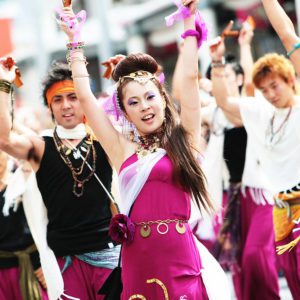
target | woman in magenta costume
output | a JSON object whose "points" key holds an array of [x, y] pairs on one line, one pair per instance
{"points": [[158, 168]]}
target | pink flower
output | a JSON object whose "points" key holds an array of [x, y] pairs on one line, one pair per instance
{"points": [[121, 229]]}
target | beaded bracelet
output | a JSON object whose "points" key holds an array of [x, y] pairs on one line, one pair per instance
{"points": [[218, 63], [71, 59], [75, 45], [6, 86], [296, 47]]}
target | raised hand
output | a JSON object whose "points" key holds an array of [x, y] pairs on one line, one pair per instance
{"points": [[217, 48], [246, 34], [70, 23], [40, 277], [7, 70], [217, 45], [110, 64], [191, 4]]}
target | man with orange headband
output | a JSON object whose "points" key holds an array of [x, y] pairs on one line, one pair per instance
{"points": [[69, 164]]}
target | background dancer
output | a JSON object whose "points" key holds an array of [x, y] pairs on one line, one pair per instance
{"points": [[270, 127], [20, 268]]}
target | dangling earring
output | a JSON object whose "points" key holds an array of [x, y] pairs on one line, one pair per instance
{"points": [[136, 135], [129, 130]]}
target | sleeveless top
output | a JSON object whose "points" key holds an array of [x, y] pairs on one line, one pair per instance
{"points": [[77, 225]]}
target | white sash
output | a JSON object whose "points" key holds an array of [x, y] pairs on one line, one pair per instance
{"points": [[133, 177]]}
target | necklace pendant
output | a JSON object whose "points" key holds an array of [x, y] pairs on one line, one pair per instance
{"points": [[76, 154], [78, 189], [68, 152]]}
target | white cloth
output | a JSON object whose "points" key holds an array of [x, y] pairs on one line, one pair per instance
{"points": [[213, 157], [14, 191], [133, 177], [214, 165], [211, 271], [76, 133], [278, 162]]}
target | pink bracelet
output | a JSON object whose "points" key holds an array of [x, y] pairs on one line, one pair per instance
{"points": [[200, 31], [192, 32]]}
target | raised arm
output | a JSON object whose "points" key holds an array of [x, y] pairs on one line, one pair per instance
{"points": [[188, 84], [29, 147], [176, 93], [220, 84], [246, 58], [284, 27], [113, 142]]}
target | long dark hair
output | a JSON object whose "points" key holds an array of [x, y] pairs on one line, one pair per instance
{"points": [[175, 140]]}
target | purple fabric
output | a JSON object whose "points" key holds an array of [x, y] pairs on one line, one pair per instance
{"points": [[172, 258], [76, 23], [110, 106], [10, 285], [258, 278], [82, 280], [181, 13], [289, 262], [201, 28], [194, 33], [228, 245], [161, 78]]}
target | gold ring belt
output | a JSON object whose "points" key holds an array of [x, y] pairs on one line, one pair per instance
{"points": [[162, 226]]}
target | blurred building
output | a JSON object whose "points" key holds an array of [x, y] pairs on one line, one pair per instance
{"points": [[29, 32]]}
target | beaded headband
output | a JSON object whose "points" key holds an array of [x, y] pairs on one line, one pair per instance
{"points": [[141, 77]]}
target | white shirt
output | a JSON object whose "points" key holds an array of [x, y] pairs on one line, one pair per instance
{"points": [[279, 160]]}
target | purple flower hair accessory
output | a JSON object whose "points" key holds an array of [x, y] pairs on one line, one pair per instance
{"points": [[121, 229], [161, 78], [111, 105]]}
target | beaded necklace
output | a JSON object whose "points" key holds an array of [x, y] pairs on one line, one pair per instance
{"points": [[148, 144], [77, 173]]}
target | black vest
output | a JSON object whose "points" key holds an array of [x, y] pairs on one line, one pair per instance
{"points": [[76, 225]]}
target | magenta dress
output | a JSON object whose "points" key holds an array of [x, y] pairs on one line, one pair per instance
{"points": [[170, 262]]}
